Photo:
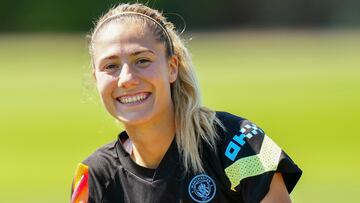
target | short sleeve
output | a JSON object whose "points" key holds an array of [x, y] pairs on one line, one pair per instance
{"points": [[80, 186], [252, 158], [94, 174]]}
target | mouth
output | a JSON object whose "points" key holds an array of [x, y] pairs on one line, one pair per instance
{"points": [[134, 98]]}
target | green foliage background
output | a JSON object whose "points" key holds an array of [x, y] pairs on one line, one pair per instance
{"points": [[74, 16], [301, 87]]}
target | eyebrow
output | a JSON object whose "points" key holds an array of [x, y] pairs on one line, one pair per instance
{"points": [[131, 54], [141, 51], [109, 57]]}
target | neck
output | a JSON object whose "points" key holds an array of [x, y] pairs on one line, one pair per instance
{"points": [[152, 140]]}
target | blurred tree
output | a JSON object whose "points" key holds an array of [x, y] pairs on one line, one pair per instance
{"points": [[74, 16]]}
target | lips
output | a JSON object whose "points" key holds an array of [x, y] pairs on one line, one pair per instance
{"points": [[134, 98]]}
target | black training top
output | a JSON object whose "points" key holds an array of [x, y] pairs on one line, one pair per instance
{"points": [[240, 170]]}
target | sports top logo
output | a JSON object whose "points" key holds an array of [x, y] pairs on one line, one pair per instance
{"points": [[202, 188], [238, 141]]}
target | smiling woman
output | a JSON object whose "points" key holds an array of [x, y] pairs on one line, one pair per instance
{"points": [[172, 149], [133, 75]]}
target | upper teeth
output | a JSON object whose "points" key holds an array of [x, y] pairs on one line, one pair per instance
{"points": [[133, 98]]}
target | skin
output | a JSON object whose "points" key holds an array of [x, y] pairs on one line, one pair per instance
{"points": [[277, 192], [127, 61]]}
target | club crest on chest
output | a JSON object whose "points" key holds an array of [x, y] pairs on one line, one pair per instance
{"points": [[202, 188]]}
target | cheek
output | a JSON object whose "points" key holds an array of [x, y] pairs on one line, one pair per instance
{"points": [[105, 83], [158, 73], [161, 83]]}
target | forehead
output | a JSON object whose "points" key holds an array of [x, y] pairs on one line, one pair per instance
{"points": [[121, 27], [124, 35], [119, 37]]}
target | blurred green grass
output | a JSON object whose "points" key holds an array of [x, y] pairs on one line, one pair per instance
{"points": [[301, 87]]}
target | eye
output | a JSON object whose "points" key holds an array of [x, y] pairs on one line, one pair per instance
{"points": [[110, 66], [142, 62]]}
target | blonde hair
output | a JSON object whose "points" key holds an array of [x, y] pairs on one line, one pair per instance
{"points": [[194, 124]]}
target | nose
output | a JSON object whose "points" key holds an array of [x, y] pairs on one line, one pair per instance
{"points": [[127, 77]]}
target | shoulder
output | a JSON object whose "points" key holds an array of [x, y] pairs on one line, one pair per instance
{"points": [[239, 137], [97, 172], [250, 157], [228, 119], [102, 164], [235, 124], [103, 158]]}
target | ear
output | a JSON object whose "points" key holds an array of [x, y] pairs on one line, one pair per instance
{"points": [[173, 68]]}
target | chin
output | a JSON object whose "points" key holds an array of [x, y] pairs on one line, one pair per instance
{"points": [[133, 119]]}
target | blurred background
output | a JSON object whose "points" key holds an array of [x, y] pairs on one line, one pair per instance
{"points": [[291, 66]]}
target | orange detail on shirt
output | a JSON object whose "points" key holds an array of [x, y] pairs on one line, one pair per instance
{"points": [[80, 192]]}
